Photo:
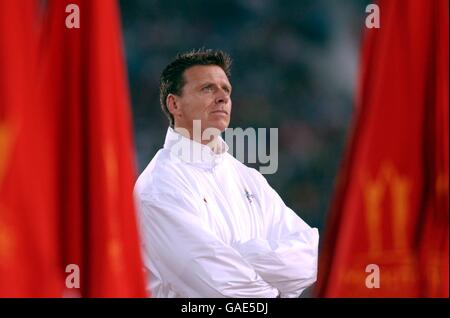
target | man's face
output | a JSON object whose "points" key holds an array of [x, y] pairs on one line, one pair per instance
{"points": [[206, 97]]}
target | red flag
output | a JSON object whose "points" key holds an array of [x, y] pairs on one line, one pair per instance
{"points": [[84, 85], [434, 259], [390, 211], [29, 254]]}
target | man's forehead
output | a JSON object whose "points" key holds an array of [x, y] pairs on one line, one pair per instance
{"points": [[201, 73]]}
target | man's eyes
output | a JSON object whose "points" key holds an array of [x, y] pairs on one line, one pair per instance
{"points": [[210, 88]]}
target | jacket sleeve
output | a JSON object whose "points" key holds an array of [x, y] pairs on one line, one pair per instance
{"points": [[190, 257], [287, 257]]}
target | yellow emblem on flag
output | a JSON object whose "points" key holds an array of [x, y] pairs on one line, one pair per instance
{"points": [[5, 145], [6, 239], [111, 170], [388, 184]]}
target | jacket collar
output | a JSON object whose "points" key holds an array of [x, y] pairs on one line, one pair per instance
{"points": [[192, 152]]}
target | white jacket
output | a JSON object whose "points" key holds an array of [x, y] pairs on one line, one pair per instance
{"points": [[212, 227]]}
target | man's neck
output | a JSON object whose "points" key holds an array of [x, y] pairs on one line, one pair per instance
{"points": [[212, 142]]}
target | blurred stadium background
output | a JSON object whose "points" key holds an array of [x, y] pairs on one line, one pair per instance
{"points": [[294, 68]]}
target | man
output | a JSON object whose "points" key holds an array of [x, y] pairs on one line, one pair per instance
{"points": [[210, 226]]}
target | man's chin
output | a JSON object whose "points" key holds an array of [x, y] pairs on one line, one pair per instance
{"points": [[218, 128]]}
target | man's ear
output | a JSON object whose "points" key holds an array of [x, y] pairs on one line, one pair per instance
{"points": [[173, 105]]}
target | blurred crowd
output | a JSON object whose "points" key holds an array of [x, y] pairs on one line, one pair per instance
{"points": [[295, 68]]}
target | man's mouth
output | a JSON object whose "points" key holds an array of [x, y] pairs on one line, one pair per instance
{"points": [[220, 112]]}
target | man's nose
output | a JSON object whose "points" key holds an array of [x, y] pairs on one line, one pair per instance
{"points": [[222, 97]]}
